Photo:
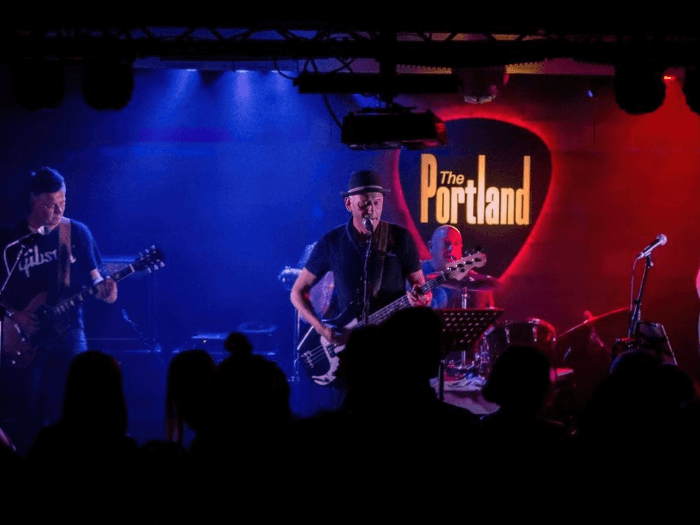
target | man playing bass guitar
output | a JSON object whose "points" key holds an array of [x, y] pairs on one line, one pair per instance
{"points": [[385, 252]]}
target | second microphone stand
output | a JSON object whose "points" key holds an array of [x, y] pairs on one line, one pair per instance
{"points": [[365, 293], [636, 304]]}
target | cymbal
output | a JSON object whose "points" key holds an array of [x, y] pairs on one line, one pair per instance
{"points": [[474, 282], [606, 328], [288, 276]]}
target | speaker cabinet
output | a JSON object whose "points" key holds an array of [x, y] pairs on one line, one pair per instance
{"points": [[129, 322]]}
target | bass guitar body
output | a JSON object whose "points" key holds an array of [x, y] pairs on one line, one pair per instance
{"points": [[319, 356]]}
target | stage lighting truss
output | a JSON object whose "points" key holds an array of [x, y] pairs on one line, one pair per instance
{"points": [[359, 54]]}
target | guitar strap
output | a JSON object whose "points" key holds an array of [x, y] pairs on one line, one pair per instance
{"points": [[382, 243], [64, 250]]}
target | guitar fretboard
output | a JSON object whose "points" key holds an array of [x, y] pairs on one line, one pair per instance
{"points": [[73, 301], [383, 314]]}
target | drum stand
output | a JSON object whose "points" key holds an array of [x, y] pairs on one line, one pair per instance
{"points": [[462, 329]]}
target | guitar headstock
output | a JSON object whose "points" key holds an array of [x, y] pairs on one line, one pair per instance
{"points": [[459, 269], [150, 261]]}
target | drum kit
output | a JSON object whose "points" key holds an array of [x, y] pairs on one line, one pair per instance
{"points": [[580, 356], [595, 337]]}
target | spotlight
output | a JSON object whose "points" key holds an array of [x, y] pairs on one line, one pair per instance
{"points": [[108, 83], [691, 89], [393, 127], [38, 83], [639, 88]]}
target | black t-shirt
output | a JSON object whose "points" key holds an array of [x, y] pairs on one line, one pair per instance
{"points": [[37, 270], [342, 252]]}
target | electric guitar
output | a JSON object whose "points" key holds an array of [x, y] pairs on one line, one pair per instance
{"points": [[319, 357], [20, 346]]}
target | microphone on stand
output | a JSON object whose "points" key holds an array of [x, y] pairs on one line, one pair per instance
{"points": [[41, 230], [659, 241], [367, 223]]}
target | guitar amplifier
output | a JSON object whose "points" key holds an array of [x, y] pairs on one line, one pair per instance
{"points": [[129, 322], [261, 335]]}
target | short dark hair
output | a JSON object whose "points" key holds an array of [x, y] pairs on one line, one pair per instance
{"points": [[46, 180]]}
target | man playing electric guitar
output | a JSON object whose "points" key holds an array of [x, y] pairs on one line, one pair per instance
{"points": [[60, 255], [393, 261]]}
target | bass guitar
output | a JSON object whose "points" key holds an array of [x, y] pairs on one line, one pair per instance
{"points": [[319, 357], [20, 346]]}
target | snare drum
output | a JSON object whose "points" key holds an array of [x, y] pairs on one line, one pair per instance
{"points": [[531, 332]]}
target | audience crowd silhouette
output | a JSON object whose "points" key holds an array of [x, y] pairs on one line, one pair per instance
{"points": [[232, 446]]}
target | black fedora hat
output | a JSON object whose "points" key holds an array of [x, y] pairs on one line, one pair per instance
{"points": [[364, 181]]}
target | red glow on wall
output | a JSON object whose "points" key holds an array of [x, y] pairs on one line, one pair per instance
{"points": [[617, 181]]}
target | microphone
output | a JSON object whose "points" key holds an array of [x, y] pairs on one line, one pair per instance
{"points": [[659, 241], [41, 230], [367, 223]]}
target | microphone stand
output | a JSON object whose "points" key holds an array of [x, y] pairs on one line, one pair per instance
{"points": [[365, 298], [636, 306]]}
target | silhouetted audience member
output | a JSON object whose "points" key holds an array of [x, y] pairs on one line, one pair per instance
{"points": [[79, 465], [388, 369], [190, 375], [628, 405], [520, 383], [167, 488], [643, 404], [94, 411], [238, 345], [524, 449], [249, 391], [244, 442], [386, 446], [641, 431]]}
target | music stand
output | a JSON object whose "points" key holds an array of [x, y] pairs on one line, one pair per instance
{"points": [[462, 328]]}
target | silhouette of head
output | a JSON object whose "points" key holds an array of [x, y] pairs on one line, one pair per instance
{"points": [[520, 379], [94, 394]]}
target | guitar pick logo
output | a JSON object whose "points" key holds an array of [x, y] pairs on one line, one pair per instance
{"points": [[490, 182]]}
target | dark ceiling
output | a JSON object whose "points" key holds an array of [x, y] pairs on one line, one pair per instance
{"points": [[421, 39]]}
